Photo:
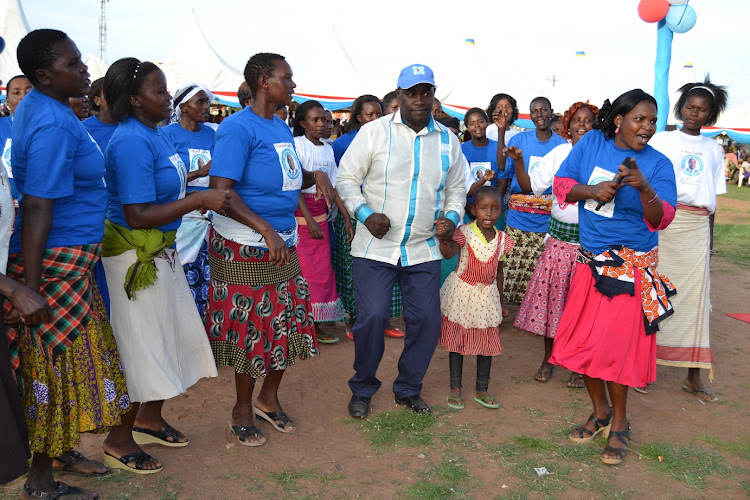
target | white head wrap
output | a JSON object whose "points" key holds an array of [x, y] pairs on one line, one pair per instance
{"points": [[185, 93]]}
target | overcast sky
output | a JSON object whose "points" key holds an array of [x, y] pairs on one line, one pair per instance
{"points": [[520, 44]]}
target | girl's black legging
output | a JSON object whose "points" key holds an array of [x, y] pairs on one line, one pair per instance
{"points": [[456, 362]]}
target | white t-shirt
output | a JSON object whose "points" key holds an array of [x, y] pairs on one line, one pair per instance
{"points": [[316, 157], [492, 133], [698, 167], [543, 176]]}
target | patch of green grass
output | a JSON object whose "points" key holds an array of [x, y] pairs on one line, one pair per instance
{"points": [[424, 490], [451, 469], [290, 477], [114, 476], [401, 427], [447, 480], [119, 496], [740, 448], [688, 464], [745, 485], [229, 475], [534, 444], [736, 192], [527, 453], [520, 380], [730, 242]]}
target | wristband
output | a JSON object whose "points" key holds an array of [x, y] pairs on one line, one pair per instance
{"points": [[362, 212], [453, 217], [651, 201]]}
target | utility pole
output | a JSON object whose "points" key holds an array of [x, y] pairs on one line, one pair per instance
{"points": [[102, 31]]}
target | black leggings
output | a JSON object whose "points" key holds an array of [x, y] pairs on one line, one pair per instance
{"points": [[456, 362]]}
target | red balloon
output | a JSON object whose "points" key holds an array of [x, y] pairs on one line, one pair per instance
{"points": [[653, 11]]}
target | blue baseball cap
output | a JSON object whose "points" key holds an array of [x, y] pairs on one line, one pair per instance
{"points": [[415, 74]]}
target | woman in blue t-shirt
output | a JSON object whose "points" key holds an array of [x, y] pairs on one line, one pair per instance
{"points": [[67, 365], [194, 142], [625, 192], [528, 213], [259, 317], [159, 332], [480, 152]]}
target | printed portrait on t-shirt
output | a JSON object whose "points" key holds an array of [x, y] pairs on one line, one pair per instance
{"points": [[199, 158], [478, 168], [6, 158], [290, 166], [692, 165]]}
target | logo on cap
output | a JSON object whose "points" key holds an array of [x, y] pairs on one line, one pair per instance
{"points": [[418, 70]]}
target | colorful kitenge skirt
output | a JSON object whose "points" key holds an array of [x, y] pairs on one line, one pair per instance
{"points": [[544, 300], [198, 276], [259, 316], [684, 341], [81, 389], [315, 261], [343, 267], [520, 264]]}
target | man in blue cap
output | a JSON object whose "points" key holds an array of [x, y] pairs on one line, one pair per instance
{"points": [[401, 174]]}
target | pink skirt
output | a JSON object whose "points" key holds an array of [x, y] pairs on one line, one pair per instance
{"points": [[317, 267], [544, 301], [604, 338]]}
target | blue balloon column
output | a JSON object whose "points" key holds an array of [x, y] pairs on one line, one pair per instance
{"points": [[680, 18]]}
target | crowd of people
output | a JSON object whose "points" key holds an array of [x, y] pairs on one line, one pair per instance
{"points": [[145, 253]]}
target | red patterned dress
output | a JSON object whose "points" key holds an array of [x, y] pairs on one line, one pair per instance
{"points": [[469, 299]]}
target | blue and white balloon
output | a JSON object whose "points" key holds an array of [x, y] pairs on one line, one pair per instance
{"points": [[681, 18]]}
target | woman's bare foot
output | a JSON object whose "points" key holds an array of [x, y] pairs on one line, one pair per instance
{"points": [[75, 463]]}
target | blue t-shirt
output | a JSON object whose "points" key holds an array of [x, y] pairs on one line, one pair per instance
{"points": [[533, 151], [480, 159], [195, 149], [341, 144], [259, 155], [620, 222], [142, 167], [6, 124], [100, 131], [55, 158]]}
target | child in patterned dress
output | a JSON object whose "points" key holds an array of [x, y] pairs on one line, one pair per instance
{"points": [[471, 301]]}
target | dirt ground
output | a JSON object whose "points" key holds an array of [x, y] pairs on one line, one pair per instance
{"points": [[474, 453]]}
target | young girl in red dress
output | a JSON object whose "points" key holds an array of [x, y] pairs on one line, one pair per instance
{"points": [[471, 298]]}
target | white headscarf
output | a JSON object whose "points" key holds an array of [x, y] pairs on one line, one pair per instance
{"points": [[185, 93]]}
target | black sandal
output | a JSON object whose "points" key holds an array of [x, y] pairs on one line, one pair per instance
{"points": [[72, 457], [60, 490], [585, 435], [620, 452], [147, 436], [137, 458], [243, 432], [278, 419]]}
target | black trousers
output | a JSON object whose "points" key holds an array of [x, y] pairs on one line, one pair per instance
{"points": [[456, 362]]}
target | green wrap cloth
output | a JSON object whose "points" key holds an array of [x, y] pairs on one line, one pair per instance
{"points": [[148, 244]]}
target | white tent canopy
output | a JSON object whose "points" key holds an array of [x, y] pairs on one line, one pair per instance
{"points": [[97, 67], [13, 27], [193, 59], [736, 117]]}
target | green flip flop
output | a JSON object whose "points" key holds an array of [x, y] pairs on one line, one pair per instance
{"points": [[455, 403], [486, 402]]}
